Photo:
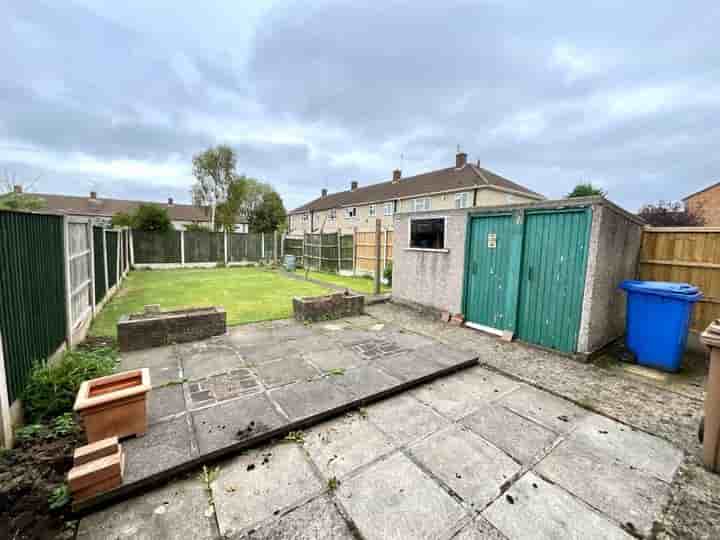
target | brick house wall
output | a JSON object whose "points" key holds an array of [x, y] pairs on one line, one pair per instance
{"points": [[706, 204]]}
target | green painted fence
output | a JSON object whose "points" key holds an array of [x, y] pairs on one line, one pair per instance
{"points": [[111, 241], [32, 292], [155, 247], [100, 289]]}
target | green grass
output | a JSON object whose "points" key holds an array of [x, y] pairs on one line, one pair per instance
{"points": [[247, 294], [356, 283]]}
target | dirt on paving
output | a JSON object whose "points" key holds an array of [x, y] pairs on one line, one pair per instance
{"points": [[28, 475]]}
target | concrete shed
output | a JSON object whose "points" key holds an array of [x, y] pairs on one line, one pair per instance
{"points": [[546, 272]]}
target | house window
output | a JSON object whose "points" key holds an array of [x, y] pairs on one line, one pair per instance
{"points": [[332, 214], [427, 233], [462, 200], [420, 205], [305, 218], [351, 213], [371, 210], [388, 210]]}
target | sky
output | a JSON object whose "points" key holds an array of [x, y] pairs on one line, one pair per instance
{"points": [[117, 97]]}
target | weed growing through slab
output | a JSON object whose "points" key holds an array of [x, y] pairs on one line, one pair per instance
{"points": [[336, 371], [362, 411], [59, 497], [296, 437], [333, 483]]}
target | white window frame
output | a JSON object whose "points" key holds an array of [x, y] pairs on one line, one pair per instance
{"points": [[426, 204], [331, 214], [371, 210], [351, 212], [305, 217], [388, 209], [463, 196], [409, 247]]}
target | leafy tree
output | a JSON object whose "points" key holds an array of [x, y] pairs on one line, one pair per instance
{"points": [[122, 219], [227, 212], [214, 172], [670, 214], [197, 227], [152, 218], [10, 200], [586, 189], [269, 214]]}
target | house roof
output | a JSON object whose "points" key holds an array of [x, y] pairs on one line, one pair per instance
{"points": [[101, 207], [469, 176], [713, 186]]}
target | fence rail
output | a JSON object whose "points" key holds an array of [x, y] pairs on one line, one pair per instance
{"points": [[685, 254]]}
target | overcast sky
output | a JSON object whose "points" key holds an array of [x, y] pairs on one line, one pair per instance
{"points": [[118, 96]]}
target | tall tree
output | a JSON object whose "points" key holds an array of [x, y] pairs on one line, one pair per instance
{"points": [[269, 214], [670, 214], [214, 172], [22, 200], [152, 218], [586, 189], [228, 211]]}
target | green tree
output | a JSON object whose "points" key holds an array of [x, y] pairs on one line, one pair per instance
{"points": [[269, 214], [11, 200], [586, 189], [228, 211], [122, 219], [214, 172], [152, 218]]}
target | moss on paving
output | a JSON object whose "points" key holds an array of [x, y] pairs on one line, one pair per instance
{"points": [[361, 284], [247, 294]]}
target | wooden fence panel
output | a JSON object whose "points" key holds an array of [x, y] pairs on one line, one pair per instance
{"points": [[365, 253], [689, 255]]}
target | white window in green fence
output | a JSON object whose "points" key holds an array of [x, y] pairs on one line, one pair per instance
{"points": [[462, 200], [388, 210], [371, 210], [420, 205]]}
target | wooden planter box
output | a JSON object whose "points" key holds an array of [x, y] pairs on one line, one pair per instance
{"points": [[114, 406], [325, 308], [156, 328], [98, 467]]}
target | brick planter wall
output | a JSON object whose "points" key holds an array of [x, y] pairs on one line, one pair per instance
{"points": [[145, 330], [325, 308]]}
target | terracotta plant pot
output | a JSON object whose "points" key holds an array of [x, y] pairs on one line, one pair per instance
{"points": [[114, 406]]}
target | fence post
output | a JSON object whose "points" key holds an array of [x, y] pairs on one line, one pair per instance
{"points": [[275, 246], [378, 242], [132, 249], [6, 433], [91, 241], [262, 246], [225, 248], [105, 258], [182, 248], [68, 284]]}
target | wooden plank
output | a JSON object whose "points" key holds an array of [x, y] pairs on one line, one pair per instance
{"points": [[683, 263]]}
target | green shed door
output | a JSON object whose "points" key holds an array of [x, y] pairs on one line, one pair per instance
{"points": [[488, 271], [552, 277]]}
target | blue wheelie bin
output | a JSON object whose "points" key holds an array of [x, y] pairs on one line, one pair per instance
{"points": [[658, 318]]}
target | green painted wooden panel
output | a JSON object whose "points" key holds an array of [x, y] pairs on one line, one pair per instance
{"points": [[552, 278], [100, 289], [488, 271], [111, 241]]}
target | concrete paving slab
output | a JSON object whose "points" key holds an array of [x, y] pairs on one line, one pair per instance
{"points": [[353, 335], [376, 348], [409, 340], [365, 381], [469, 465], [284, 371], [444, 354], [620, 491], [293, 330], [553, 412], [409, 365], [641, 450], [460, 394], [394, 499], [480, 529], [533, 509], [255, 355], [178, 511], [165, 401], [238, 383], [251, 487], [308, 398], [344, 444], [334, 358], [233, 421], [164, 446], [522, 439], [404, 419], [318, 519], [250, 335], [163, 363], [200, 360]]}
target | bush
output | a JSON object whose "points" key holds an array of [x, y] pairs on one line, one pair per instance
{"points": [[387, 274], [51, 389]]}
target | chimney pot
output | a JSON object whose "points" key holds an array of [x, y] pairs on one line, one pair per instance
{"points": [[323, 193], [460, 160], [397, 174], [170, 201], [353, 185], [17, 188], [93, 195]]}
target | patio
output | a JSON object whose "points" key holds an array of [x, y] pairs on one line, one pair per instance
{"points": [[486, 452]]}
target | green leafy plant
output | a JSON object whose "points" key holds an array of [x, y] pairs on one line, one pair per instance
{"points": [[296, 437], [336, 371], [586, 189], [387, 273], [61, 426], [59, 497], [332, 483], [52, 388]]}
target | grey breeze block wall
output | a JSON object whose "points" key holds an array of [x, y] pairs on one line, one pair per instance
{"points": [[435, 280]]}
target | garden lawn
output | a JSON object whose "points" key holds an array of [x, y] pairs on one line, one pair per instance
{"points": [[247, 294], [356, 283]]}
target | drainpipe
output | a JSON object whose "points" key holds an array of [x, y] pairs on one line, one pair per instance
{"points": [[475, 197]]}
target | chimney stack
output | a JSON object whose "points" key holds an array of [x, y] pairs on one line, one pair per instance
{"points": [[323, 193], [397, 174], [353, 185], [460, 160], [93, 195], [170, 201], [17, 188]]}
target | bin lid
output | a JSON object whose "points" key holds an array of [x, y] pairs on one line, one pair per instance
{"points": [[681, 291]]}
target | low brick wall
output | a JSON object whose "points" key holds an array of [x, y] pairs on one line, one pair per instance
{"points": [[325, 308], [146, 330]]}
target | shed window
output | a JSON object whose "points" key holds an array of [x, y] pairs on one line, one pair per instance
{"points": [[427, 233]]}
